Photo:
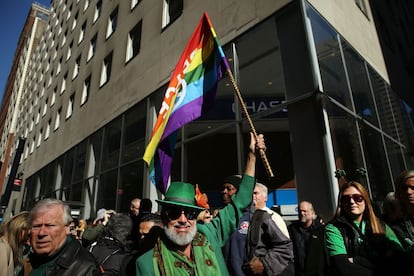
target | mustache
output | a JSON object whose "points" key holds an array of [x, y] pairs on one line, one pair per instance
{"points": [[181, 224]]}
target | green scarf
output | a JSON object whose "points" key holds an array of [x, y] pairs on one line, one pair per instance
{"points": [[40, 264], [167, 261]]}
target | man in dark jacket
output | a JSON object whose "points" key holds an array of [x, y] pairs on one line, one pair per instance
{"points": [[56, 252], [307, 235], [269, 248]]}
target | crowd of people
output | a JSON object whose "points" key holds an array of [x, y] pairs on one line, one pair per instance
{"points": [[243, 237]]}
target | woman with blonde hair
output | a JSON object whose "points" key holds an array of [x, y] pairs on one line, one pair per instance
{"points": [[404, 227], [13, 236], [357, 241]]}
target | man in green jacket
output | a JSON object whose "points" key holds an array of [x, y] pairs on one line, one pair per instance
{"points": [[188, 248]]}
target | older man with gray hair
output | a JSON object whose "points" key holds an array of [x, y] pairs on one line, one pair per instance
{"points": [[307, 234], [269, 248], [55, 251]]}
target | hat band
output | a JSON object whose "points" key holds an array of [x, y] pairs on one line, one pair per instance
{"points": [[180, 199]]}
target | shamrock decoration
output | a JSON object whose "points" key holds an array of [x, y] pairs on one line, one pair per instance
{"points": [[361, 171], [340, 173]]}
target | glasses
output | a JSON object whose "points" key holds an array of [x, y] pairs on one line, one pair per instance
{"points": [[71, 228], [175, 213], [356, 197]]}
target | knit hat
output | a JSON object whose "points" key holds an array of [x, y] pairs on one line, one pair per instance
{"points": [[180, 194], [234, 180]]}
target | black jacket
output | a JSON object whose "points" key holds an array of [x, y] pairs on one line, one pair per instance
{"points": [[308, 248], [266, 240], [372, 254], [72, 259], [111, 256]]}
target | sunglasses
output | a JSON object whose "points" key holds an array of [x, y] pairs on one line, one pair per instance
{"points": [[356, 197], [175, 213]]}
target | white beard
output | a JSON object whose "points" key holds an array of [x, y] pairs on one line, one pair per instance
{"points": [[180, 239]]}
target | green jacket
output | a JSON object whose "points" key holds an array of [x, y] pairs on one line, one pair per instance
{"points": [[216, 233]]}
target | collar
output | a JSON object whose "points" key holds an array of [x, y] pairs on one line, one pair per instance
{"points": [[71, 249], [38, 260]]}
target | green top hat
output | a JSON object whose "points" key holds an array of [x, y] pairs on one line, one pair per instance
{"points": [[180, 194]]}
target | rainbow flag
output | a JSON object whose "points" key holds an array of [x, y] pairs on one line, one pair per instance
{"points": [[190, 93]]}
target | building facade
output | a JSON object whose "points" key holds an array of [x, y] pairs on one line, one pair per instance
{"points": [[311, 73], [15, 88]]}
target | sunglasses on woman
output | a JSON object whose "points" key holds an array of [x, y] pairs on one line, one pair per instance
{"points": [[356, 197]]}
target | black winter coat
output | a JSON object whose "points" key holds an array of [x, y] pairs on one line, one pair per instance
{"points": [[111, 256], [308, 248], [72, 260]]}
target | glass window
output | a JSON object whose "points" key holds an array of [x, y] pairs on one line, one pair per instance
{"points": [[86, 90], [75, 18], [59, 67], [68, 14], [134, 134], [69, 53], [345, 141], [106, 70], [98, 10], [108, 190], [57, 119], [383, 103], [134, 42], [362, 6], [361, 91], [112, 23], [82, 33], [79, 162], [75, 192], [31, 124], [32, 144], [37, 117], [63, 86], [39, 138], [395, 155], [172, 9], [68, 171], [377, 167], [134, 3], [47, 132], [85, 7], [45, 107], [111, 146], [92, 48], [76, 67], [331, 66], [404, 120], [53, 99], [130, 178], [69, 109], [64, 38], [94, 157]]}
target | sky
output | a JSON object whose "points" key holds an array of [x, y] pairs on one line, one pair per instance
{"points": [[13, 14]]}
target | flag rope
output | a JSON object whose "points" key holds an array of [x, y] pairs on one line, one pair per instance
{"points": [[263, 155]]}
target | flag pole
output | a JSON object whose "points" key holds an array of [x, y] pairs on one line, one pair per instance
{"points": [[249, 120]]}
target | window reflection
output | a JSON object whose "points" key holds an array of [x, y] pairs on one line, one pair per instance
{"points": [[331, 65], [361, 91]]}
